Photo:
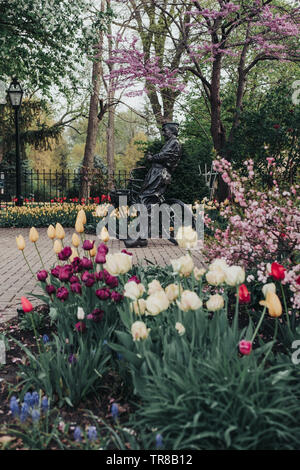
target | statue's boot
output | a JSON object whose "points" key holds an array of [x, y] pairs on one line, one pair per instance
{"points": [[131, 243]]}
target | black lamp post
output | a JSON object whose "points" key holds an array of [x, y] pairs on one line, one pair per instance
{"points": [[15, 94]]}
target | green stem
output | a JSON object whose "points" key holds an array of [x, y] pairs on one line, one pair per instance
{"points": [[35, 332], [274, 339], [259, 323], [236, 314], [39, 254], [28, 264], [285, 308]]}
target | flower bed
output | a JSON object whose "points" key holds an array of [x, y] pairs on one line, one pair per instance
{"points": [[203, 363]]}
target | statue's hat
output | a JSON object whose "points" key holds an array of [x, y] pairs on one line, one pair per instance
{"points": [[170, 124]]}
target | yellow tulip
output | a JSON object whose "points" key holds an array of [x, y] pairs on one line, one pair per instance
{"points": [[60, 233], [104, 235], [74, 254], [273, 304], [81, 216], [51, 232], [57, 247], [20, 242], [75, 240], [79, 226], [93, 251], [33, 235]]}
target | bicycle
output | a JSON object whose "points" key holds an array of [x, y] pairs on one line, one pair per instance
{"points": [[131, 193]]}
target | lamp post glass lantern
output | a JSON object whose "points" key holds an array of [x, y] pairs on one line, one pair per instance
{"points": [[15, 94]]}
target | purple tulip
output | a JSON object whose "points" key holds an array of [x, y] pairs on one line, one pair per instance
{"points": [[65, 273], [96, 315], [86, 263], [87, 245], [135, 279], [116, 296], [50, 289], [77, 265], [62, 293], [102, 248], [42, 275], [88, 279], [100, 257], [76, 288], [65, 253], [74, 279], [103, 294], [111, 281], [55, 271]]}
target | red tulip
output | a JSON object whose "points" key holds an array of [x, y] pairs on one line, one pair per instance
{"points": [[244, 294], [298, 280], [26, 305], [277, 271], [245, 347]]}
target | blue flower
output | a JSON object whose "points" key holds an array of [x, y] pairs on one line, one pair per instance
{"points": [[159, 441], [114, 410], [28, 398], [45, 339], [45, 404], [77, 434], [35, 414], [14, 407], [92, 433], [35, 399], [24, 412]]}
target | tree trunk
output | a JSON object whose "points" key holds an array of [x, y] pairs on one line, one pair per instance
{"points": [[110, 132], [218, 131], [110, 145], [93, 122]]}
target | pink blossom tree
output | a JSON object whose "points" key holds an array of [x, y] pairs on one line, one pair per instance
{"points": [[206, 38]]}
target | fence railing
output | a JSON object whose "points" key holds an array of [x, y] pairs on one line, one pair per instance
{"points": [[50, 186]]}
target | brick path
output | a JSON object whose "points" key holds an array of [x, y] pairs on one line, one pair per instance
{"points": [[16, 280]]}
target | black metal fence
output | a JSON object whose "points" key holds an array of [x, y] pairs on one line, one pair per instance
{"points": [[52, 186]]}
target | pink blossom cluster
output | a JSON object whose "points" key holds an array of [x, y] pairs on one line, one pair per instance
{"points": [[133, 66], [262, 226]]}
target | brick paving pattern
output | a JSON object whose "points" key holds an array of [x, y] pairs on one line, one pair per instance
{"points": [[16, 280]]}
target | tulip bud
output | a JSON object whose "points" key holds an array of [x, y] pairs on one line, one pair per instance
{"points": [[75, 240], [245, 347], [104, 235], [51, 232], [57, 247], [80, 313], [139, 331], [79, 226], [270, 287], [74, 254], [93, 251], [20, 242], [273, 304], [26, 305], [33, 235], [60, 233], [81, 216]]}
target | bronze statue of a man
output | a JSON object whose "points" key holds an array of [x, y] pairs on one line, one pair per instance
{"points": [[159, 176]]}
